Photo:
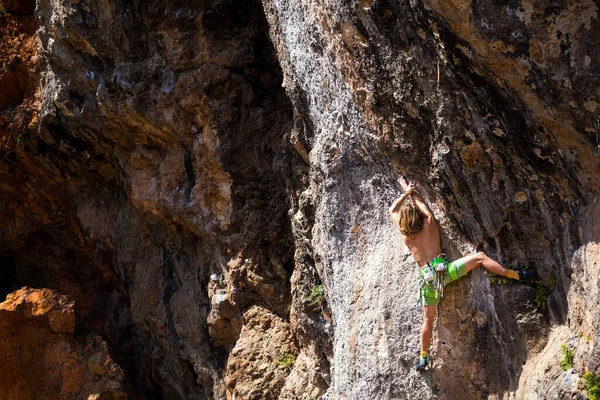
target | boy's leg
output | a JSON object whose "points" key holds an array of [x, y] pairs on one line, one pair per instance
{"points": [[426, 333], [481, 259], [427, 328], [465, 264]]}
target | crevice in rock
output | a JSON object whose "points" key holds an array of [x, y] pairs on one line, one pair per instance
{"points": [[190, 173]]}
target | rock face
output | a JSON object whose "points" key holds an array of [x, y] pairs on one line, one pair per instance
{"points": [[490, 108], [40, 357], [208, 184], [262, 357], [154, 163], [44, 305]]}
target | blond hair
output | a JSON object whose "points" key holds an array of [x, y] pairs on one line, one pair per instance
{"points": [[411, 220]]}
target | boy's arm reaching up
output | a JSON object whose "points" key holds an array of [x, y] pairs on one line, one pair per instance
{"points": [[396, 205], [416, 197]]}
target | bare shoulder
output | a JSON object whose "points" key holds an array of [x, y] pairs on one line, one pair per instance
{"points": [[396, 218], [430, 226]]}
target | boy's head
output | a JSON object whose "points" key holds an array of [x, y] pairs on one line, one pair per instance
{"points": [[411, 219]]}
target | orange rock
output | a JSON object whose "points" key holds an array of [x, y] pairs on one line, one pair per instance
{"points": [[43, 304], [41, 358]]}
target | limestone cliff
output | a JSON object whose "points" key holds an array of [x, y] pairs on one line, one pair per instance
{"points": [[207, 184]]}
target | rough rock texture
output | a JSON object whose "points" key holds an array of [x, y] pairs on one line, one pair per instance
{"points": [[499, 139], [156, 164], [260, 361], [41, 359], [156, 172], [44, 305]]}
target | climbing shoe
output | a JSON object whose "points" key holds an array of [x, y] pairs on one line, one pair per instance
{"points": [[423, 363], [527, 274]]}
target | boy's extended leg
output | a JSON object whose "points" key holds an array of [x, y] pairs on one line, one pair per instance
{"points": [[426, 333], [490, 265], [480, 258]]}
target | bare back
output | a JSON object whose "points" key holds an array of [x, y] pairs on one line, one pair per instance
{"points": [[426, 245]]}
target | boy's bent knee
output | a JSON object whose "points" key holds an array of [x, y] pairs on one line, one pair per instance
{"points": [[481, 256]]}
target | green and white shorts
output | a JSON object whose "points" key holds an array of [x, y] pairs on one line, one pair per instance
{"points": [[427, 290]]}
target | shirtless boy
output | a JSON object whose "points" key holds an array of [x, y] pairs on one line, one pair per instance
{"points": [[422, 237]]}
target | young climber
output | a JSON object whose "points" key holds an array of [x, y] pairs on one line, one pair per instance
{"points": [[422, 237]]}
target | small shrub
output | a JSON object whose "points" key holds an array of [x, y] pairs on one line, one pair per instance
{"points": [[591, 384], [541, 296], [287, 362], [567, 360], [552, 281], [316, 296], [2, 8], [501, 280], [588, 339]]}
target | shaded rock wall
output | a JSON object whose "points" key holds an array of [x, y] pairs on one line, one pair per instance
{"points": [[209, 184], [156, 170]]}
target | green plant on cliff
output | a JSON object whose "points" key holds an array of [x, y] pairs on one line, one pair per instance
{"points": [[567, 359], [316, 296], [541, 296], [2, 8], [501, 280], [552, 281], [287, 361], [591, 384]]}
